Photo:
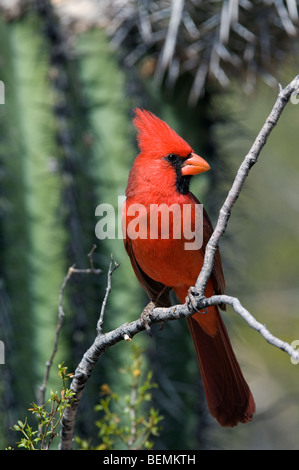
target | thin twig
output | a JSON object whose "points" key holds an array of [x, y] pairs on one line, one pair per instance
{"points": [[112, 267], [61, 315], [132, 412], [256, 325], [249, 160], [72, 270]]}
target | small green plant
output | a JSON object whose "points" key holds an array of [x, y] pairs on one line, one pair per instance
{"points": [[48, 417], [127, 421]]}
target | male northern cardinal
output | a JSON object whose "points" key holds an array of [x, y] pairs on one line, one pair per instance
{"points": [[161, 175]]}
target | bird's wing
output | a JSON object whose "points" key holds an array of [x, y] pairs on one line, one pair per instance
{"points": [[157, 292]]}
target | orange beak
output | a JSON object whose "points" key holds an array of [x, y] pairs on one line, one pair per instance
{"points": [[194, 165]]}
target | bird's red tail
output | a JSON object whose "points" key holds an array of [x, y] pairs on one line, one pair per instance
{"points": [[228, 396]]}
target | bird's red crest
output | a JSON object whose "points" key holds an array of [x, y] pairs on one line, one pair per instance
{"points": [[155, 137]]}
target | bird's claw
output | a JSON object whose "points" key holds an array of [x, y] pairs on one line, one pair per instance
{"points": [[145, 316], [192, 300]]}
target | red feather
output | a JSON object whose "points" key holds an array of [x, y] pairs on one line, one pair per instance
{"points": [[156, 138]]}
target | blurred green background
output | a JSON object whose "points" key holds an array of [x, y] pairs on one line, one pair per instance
{"points": [[73, 72]]}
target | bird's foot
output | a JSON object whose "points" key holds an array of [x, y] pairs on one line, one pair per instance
{"points": [[192, 300], [145, 316]]}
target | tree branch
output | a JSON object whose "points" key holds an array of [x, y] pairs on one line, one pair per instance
{"points": [[112, 267], [249, 160], [159, 315], [72, 270], [240, 310]]}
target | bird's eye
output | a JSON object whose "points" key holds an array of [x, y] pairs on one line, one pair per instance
{"points": [[171, 157]]}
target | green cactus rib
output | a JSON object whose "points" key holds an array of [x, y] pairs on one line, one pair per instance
{"points": [[33, 237]]}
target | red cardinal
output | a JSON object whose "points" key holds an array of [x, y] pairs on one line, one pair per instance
{"points": [[161, 175]]}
